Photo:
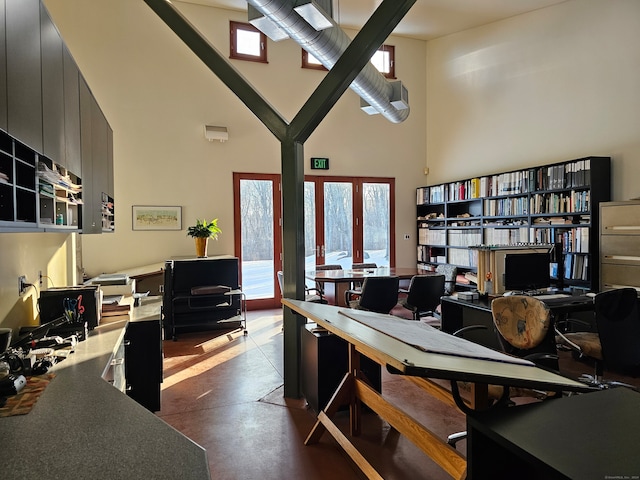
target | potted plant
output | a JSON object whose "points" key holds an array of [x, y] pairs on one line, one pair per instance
{"points": [[202, 231]]}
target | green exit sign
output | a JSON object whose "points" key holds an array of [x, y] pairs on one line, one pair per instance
{"points": [[319, 163]]}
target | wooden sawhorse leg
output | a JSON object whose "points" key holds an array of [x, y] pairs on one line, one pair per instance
{"points": [[352, 390]]}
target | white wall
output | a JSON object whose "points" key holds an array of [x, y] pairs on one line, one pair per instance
{"points": [[556, 84], [158, 96]]}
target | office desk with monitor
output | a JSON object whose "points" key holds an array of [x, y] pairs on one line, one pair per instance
{"points": [[457, 313], [393, 343], [336, 282]]}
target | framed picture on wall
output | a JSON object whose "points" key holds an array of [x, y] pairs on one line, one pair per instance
{"points": [[156, 217]]}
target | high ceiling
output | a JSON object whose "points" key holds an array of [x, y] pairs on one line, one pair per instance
{"points": [[426, 20]]}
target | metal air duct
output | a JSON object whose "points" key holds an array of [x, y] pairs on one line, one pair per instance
{"points": [[377, 94]]}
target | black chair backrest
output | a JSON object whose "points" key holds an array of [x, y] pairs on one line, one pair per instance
{"points": [[425, 291], [618, 325], [360, 266], [379, 294], [329, 266]]}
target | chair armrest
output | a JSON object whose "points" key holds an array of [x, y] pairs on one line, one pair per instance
{"points": [[458, 333], [541, 356], [351, 292], [571, 322]]}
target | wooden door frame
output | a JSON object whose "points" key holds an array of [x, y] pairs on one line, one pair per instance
{"points": [[262, 303]]}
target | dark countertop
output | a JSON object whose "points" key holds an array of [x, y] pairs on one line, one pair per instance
{"points": [[81, 426]]}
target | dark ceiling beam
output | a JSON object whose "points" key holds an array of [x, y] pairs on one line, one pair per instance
{"points": [[373, 34]]}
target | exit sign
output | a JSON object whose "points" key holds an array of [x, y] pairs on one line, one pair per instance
{"points": [[319, 163]]}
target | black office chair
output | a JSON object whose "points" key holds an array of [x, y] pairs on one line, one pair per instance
{"points": [[616, 344], [326, 266], [309, 296], [423, 295], [362, 266], [378, 294]]}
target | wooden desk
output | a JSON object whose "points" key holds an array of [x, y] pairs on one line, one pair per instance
{"points": [[401, 358], [582, 436], [336, 282]]}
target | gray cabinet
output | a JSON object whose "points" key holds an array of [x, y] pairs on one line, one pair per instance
{"points": [[51, 127], [619, 245], [24, 73], [96, 147], [71, 113], [52, 90], [3, 71]]}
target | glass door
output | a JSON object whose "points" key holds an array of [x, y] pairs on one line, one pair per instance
{"points": [[258, 236], [349, 220], [376, 223]]}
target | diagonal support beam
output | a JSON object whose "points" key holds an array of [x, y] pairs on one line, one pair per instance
{"points": [[379, 26], [219, 65], [292, 137]]}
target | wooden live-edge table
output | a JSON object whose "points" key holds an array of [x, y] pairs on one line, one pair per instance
{"points": [[403, 359]]}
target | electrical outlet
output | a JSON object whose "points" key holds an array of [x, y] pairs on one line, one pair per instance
{"points": [[40, 278], [22, 284], [407, 236]]}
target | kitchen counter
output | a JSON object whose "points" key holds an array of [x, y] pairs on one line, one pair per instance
{"points": [[83, 427]]}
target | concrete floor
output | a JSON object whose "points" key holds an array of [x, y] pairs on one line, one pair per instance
{"points": [[225, 392]]}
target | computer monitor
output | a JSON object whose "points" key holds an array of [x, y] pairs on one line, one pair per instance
{"points": [[527, 271]]}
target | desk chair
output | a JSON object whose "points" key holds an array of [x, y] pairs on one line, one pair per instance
{"points": [[309, 297], [524, 330], [423, 295], [360, 266], [327, 266], [616, 344], [378, 294]]}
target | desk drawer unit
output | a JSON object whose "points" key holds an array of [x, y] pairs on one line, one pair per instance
{"points": [[619, 245]]}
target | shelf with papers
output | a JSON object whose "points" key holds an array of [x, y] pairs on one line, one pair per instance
{"points": [[36, 194]]}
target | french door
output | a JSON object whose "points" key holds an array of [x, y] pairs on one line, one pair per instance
{"points": [[346, 220], [258, 236], [349, 220]]}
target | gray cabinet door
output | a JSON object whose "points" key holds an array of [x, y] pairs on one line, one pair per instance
{"points": [[110, 161], [24, 85], [72, 114], [3, 69], [52, 91], [91, 222]]}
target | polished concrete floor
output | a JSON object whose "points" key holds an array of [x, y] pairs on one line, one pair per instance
{"points": [[225, 392]]}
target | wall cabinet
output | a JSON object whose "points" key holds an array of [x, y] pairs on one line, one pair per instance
{"points": [[97, 162], [3, 71], [24, 72], [620, 245], [53, 140], [43, 163], [552, 204]]}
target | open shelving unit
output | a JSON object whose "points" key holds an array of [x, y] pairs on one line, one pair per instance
{"points": [[555, 204], [36, 194]]}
